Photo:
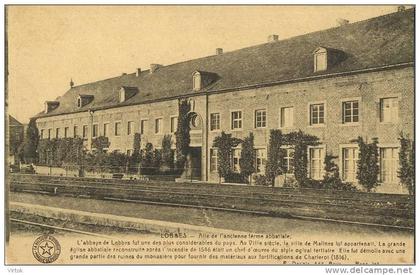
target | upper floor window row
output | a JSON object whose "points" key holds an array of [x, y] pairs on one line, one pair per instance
{"points": [[317, 115]]}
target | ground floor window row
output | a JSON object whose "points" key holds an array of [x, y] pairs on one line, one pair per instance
{"points": [[388, 162]]}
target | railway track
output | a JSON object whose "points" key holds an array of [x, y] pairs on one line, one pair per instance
{"points": [[140, 189], [394, 212], [280, 193]]}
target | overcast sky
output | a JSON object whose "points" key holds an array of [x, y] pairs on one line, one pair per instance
{"points": [[49, 45]]}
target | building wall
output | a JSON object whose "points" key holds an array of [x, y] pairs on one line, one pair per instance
{"points": [[367, 88], [16, 136]]}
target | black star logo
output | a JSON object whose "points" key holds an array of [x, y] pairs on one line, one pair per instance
{"points": [[46, 249]]}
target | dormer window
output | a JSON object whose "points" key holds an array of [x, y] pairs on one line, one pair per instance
{"points": [[320, 60], [83, 100], [50, 105], [325, 58], [122, 95], [126, 93], [202, 79], [196, 81]]}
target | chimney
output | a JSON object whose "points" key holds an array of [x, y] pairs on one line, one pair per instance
{"points": [[138, 72], [401, 8], [219, 51], [124, 74], [71, 83], [342, 22], [154, 67], [273, 38]]}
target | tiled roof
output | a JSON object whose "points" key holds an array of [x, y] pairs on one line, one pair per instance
{"points": [[380, 41]]}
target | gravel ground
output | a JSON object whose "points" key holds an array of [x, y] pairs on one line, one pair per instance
{"points": [[218, 219]]}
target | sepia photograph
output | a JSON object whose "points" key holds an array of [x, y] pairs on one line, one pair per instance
{"points": [[210, 134]]}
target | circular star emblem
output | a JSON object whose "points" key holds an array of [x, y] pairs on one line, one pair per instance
{"points": [[46, 249]]}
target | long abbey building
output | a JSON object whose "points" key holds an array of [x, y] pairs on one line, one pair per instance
{"points": [[353, 80]]}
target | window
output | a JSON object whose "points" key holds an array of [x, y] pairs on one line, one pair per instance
{"points": [[106, 127], [79, 102], [286, 117], [95, 130], [143, 125], [316, 163], [350, 111], [213, 160], [66, 132], [158, 126], [236, 120], [174, 124], [117, 129], [85, 131], [317, 114], [49, 133], [42, 133], [130, 126], [350, 157], [389, 109], [236, 156], [260, 160], [214, 121], [260, 118], [57, 132], [389, 165], [287, 162], [75, 133]]}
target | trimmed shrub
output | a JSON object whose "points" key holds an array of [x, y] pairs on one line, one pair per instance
{"points": [[167, 155], [182, 133], [332, 178], [224, 144], [367, 164], [275, 156], [247, 160], [406, 173]]}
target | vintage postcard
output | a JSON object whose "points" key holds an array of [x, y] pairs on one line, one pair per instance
{"points": [[280, 135]]}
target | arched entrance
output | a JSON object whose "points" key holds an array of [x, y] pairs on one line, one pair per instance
{"points": [[194, 158]]}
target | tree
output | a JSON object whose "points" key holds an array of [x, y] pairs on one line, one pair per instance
{"points": [[147, 160], [117, 162], [182, 133], [247, 160], [167, 153], [367, 164], [406, 172], [135, 158], [224, 144], [157, 160], [100, 143], [28, 151], [275, 156]]}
